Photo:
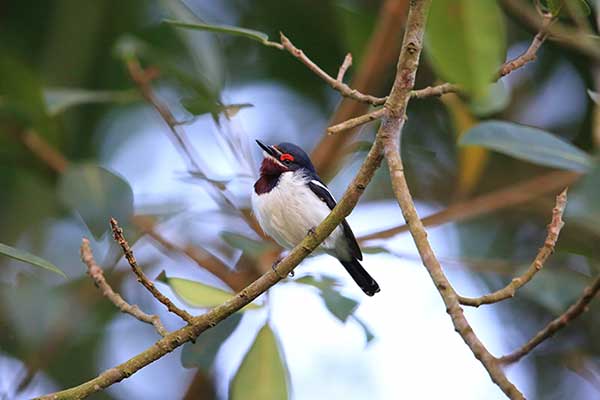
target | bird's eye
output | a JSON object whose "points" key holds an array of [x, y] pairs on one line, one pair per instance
{"points": [[286, 158]]}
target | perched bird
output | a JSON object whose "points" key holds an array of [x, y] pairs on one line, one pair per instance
{"points": [[290, 199]]}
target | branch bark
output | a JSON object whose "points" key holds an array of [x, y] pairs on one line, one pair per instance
{"points": [[390, 135], [142, 278], [97, 275], [548, 248]]}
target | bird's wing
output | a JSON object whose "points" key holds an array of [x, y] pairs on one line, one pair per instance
{"points": [[323, 193]]}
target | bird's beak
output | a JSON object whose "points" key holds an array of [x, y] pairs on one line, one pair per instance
{"points": [[270, 150]]}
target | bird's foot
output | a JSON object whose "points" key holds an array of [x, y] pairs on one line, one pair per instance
{"points": [[312, 231]]}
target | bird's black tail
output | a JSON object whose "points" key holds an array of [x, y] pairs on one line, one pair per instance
{"points": [[361, 276]]}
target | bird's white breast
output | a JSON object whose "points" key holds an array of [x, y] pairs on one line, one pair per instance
{"points": [[290, 210]]}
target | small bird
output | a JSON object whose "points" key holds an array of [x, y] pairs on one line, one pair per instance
{"points": [[290, 199]]}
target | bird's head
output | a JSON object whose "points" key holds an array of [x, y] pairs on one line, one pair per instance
{"points": [[284, 157]]}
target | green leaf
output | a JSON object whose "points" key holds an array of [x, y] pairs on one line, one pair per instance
{"points": [[203, 352], [251, 247], [263, 373], [97, 195], [594, 96], [496, 100], [465, 40], [369, 336], [337, 304], [29, 258], [231, 30], [554, 6], [197, 294], [528, 144], [61, 99]]}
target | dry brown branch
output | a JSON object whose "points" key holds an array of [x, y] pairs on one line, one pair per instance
{"points": [[499, 199], [340, 86], [142, 278], [561, 33], [435, 91], [344, 67], [389, 133], [557, 324], [97, 275], [354, 122], [548, 248]]}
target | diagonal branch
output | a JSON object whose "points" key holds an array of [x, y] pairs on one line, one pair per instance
{"points": [[344, 67], [548, 248], [142, 278], [208, 320], [97, 275], [389, 133], [338, 85], [354, 122], [557, 324]]}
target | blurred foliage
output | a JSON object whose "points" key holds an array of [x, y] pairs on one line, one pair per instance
{"points": [[64, 78]]}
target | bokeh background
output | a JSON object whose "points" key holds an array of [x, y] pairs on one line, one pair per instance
{"points": [[64, 82]]}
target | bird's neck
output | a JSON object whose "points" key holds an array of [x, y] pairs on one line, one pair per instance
{"points": [[270, 172]]}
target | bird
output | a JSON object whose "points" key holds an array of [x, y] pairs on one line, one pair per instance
{"points": [[289, 200]]}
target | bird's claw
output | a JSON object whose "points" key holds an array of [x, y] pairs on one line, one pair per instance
{"points": [[312, 231]]}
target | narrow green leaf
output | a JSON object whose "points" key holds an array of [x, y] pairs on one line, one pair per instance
{"points": [[465, 40], [339, 305], [369, 336], [203, 352], [29, 258], [594, 96], [528, 144], [60, 99], [263, 373], [197, 294], [231, 30], [97, 195], [251, 247]]}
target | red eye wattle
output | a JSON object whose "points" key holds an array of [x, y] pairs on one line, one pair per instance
{"points": [[286, 157]]}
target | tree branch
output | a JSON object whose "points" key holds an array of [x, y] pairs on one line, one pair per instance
{"points": [[354, 122], [557, 324], [344, 67], [389, 133], [548, 248], [142, 278], [97, 275], [340, 86], [201, 323]]}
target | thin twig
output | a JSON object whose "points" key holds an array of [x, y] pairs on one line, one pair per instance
{"points": [[97, 275], [531, 52], [142, 278], [341, 87], [236, 280], [354, 122], [561, 33], [390, 132], [344, 67], [509, 290], [208, 320], [513, 195], [45, 152], [557, 324], [527, 56]]}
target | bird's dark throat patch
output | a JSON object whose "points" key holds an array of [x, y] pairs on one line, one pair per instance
{"points": [[270, 171]]}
